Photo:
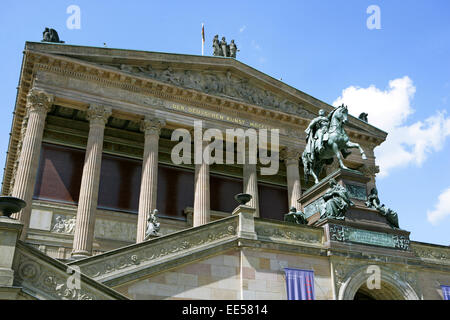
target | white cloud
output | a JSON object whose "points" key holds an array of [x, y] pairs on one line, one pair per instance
{"points": [[441, 209], [389, 110], [242, 29], [255, 45]]}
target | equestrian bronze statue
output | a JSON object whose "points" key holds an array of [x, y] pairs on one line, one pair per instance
{"points": [[326, 139]]}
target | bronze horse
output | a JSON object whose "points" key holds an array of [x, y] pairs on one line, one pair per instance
{"points": [[336, 145]]}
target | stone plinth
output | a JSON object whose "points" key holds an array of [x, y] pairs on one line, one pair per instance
{"points": [[362, 225], [356, 185], [10, 230], [341, 234]]}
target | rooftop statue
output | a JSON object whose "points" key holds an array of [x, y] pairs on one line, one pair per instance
{"points": [[337, 201], [222, 49], [295, 217], [374, 203], [233, 49], [363, 116], [153, 225], [50, 35], [325, 139]]}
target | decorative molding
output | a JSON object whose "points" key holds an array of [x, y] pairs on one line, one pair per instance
{"points": [[283, 232], [37, 276], [434, 254]]}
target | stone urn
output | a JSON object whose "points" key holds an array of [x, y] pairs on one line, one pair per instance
{"points": [[10, 205], [243, 198]]}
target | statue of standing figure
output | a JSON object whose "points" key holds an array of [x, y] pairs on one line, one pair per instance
{"points": [[222, 49], [374, 203], [337, 201], [233, 49], [153, 225]]}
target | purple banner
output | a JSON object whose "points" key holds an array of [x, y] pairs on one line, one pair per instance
{"points": [[299, 284], [446, 292]]}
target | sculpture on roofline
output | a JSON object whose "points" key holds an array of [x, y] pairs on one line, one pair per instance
{"points": [[50, 35], [222, 49], [363, 116], [326, 139], [374, 202]]}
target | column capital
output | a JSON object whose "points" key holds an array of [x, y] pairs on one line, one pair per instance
{"points": [[290, 154], [39, 101], [97, 114], [152, 125]]}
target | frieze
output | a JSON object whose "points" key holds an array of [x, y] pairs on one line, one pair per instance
{"points": [[225, 85], [347, 234], [38, 277], [159, 250], [302, 235], [430, 253]]}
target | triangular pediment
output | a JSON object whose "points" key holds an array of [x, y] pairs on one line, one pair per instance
{"points": [[224, 78]]}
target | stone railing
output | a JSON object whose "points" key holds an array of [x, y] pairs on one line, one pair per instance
{"points": [[134, 258], [48, 279]]}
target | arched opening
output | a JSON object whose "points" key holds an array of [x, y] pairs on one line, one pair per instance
{"points": [[391, 287], [385, 292]]}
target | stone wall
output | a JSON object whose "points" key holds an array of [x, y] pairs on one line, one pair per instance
{"points": [[236, 274]]}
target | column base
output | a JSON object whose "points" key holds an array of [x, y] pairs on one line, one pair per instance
{"points": [[80, 255], [6, 277]]}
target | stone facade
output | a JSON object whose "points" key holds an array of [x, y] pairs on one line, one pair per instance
{"points": [[125, 103]]}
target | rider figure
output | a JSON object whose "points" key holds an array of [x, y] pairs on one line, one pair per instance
{"points": [[319, 129]]}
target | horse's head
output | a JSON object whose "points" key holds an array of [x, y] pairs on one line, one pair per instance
{"points": [[341, 113]]}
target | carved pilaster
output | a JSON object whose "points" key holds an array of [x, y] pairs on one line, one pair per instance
{"points": [[149, 180], [38, 104], [87, 204]]}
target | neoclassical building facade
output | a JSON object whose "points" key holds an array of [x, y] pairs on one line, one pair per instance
{"points": [[90, 152]]}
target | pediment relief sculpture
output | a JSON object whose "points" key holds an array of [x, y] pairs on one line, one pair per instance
{"points": [[221, 84]]}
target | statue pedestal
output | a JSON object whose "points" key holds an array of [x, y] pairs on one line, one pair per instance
{"points": [[362, 225], [356, 185]]}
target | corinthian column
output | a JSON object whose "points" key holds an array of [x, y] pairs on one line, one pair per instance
{"points": [[38, 104], [250, 179], [201, 197], [87, 204], [291, 159], [149, 179]]}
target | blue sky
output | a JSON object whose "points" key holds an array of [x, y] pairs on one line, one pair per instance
{"points": [[399, 74]]}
